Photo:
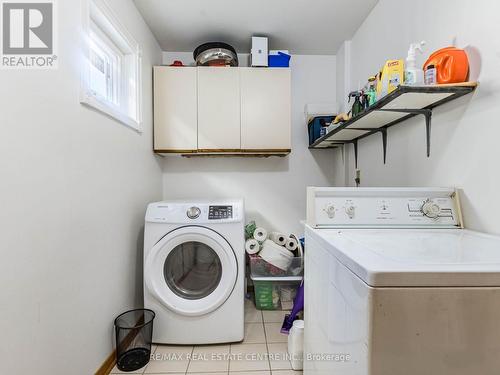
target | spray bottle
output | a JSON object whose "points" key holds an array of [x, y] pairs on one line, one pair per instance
{"points": [[357, 106], [414, 75]]}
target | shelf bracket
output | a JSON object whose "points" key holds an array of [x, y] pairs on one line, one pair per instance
{"points": [[428, 134], [427, 113], [355, 144], [383, 131]]}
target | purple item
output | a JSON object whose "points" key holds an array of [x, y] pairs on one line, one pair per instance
{"points": [[298, 306]]}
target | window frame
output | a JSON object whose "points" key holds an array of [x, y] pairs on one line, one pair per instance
{"points": [[115, 55], [99, 20]]}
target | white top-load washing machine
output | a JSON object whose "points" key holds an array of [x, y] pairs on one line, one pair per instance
{"points": [[194, 268], [394, 285]]}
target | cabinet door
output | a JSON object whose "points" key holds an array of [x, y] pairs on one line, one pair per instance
{"points": [[265, 109], [218, 108], [175, 115]]}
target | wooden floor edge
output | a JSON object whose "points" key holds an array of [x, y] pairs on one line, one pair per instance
{"points": [[107, 365]]}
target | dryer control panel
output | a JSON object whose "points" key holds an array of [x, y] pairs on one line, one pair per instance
{"points": [[195, 212], [383, 207], [220, 212]]}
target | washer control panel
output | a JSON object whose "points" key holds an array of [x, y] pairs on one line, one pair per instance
{"points": [[379, 207]]}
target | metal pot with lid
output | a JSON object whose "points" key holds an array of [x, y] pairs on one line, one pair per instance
{"points": [[215, 54]]}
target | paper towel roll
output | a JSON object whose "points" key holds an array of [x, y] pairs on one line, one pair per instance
{"points": [[252, 246], [276, 255], [291, 244], [260, 234], [278, 238]]}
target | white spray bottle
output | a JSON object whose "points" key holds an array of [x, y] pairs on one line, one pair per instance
{"points": [[413, 75]]}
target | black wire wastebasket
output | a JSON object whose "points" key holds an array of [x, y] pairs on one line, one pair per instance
{"points": [[134, 334]]}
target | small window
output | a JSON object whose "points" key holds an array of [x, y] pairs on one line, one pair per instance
{"points": [[112, 71]]}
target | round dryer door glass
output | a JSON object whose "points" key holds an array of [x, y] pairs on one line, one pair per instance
{"points": [[192, 270]]}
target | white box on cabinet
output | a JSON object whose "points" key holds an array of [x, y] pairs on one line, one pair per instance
{"points": [[259, 55]]}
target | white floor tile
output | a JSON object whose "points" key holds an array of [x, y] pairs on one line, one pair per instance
{"points": [[274, 316], [287, 372], [209, 359], [278, 356], [169, 359], [254, 334], [250, 373], [249, 303], [117, 371], [273, 333], [248, 357], [252, 315]]}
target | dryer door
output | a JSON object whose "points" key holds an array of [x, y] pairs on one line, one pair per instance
{"points": [[191, 270]]}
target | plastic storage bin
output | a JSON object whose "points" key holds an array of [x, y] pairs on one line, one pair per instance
{"points": [[281, 60], [275, 293], [275, 289], [134, 333], [315, 126]]}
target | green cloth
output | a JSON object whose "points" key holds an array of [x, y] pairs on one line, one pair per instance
{"points": [[249, 229]]}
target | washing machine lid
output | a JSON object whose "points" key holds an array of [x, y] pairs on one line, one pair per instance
{"points": [[192, 270], [416, 257]]}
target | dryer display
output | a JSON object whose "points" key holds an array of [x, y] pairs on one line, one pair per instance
{"points": [[220, 212]]}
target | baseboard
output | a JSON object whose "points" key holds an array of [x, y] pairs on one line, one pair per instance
{"points": [[107, 365]]}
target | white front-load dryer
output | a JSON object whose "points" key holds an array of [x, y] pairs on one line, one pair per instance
{"points": [[194, 271]]}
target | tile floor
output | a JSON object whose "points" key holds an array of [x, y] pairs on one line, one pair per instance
{"points": [[262, 352]]}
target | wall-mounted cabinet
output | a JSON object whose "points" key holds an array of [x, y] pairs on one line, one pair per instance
{"points": [[219, 109], [175, 115], [222, 111], [265, 109]]}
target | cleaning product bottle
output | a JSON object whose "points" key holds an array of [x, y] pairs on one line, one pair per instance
{"points": [[371, 92], [296, 345], [390, 78], [357, 106], [430, 75], [414, 75]]}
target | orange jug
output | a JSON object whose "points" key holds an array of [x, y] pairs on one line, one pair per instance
{"points": [[452, 65]]}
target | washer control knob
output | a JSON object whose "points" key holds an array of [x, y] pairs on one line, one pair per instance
{"points": [[193, 212], [330, 210], [431, 209], [350, 210]]}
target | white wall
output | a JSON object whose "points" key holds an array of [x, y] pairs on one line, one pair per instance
{"points": [[275, 188], [343, 75], [73, 191], [465, 133]]}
